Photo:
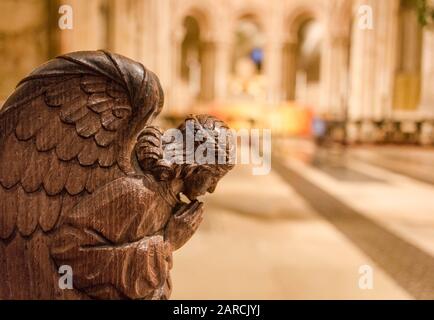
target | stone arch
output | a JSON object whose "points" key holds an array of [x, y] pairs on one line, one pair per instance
{"points": [[297, 16], [342, 21], [205, 12], [203, 90], [293, 22], [244, 67], [255, 13], [408, 69], [247, 14]]}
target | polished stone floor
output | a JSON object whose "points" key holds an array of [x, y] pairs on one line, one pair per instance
{"points": [[305, 230]]}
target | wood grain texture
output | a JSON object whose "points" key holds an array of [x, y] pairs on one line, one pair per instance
{"points": [[72, 191]]}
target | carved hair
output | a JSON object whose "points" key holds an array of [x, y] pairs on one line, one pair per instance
{"points": [[149, 148]]}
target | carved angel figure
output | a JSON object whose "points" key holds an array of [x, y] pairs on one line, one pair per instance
{"points": [[83, 182]]}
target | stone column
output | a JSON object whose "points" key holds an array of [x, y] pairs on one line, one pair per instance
{"points": [[24, 41], [207, 70], [334, 77], [273, 70], [273, 29], [373, 65], [335, 59], [154, 40], [149, 31], [163, 24], [289, 66], [174, 96], [427, 95], [129, 20], [89, 31], [222, 68], [155, 37]]}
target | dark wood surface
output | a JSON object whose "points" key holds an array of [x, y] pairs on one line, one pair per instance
{"points": [[80, 186]]}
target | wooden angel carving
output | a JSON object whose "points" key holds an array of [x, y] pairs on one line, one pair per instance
{"points": [[84, 184]]}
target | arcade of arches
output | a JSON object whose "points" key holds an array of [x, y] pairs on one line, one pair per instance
{"points": [[212, 52]]}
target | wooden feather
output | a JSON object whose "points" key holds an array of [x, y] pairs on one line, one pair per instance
{"points": [[115, 91], [8, 124], [70, 145], [48, 137], [104, 137], [74, 110], [94, 87], [55, 179], [49, 208], [122, 111], [37, 165], [8, 212], [87, 80], [89, 154], [107, 156], [27, 211], [77, 178], [77, 114], [88, 125], [100, 102], [32, 119], [12, 162], [110, 121], [62, 93]]}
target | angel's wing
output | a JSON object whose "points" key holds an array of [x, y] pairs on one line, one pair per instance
{"points": [[69, 128]]}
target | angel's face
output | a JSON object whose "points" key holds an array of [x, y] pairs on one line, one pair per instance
{"points": [[201, 181]]}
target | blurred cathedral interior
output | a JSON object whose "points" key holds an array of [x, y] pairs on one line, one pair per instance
{"points": [[346, 87], [300, 67]]}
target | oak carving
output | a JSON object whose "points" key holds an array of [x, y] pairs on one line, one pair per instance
{"points": [[83, 183]]}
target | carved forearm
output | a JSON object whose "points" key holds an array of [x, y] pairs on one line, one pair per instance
{"points": [[135, 270], [111, 254], [122, 211]]}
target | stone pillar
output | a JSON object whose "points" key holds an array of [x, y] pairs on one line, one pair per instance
{"points": [[207, 70], [126, 27], [373, 59], [289, 69], [222, 69], [273, 56], [24, 41], [89, 30], [334, 77], [427, 95], [163, 24], [149, 33], [174, 96], [273, 70], [153, 38]]}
